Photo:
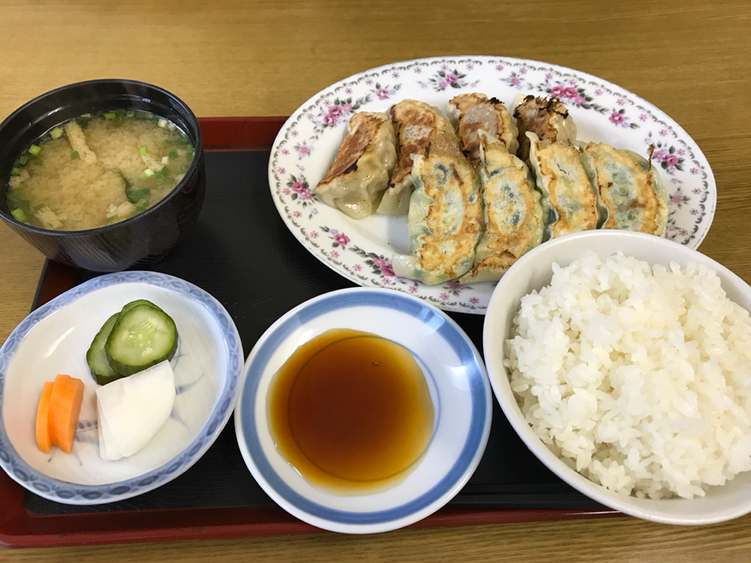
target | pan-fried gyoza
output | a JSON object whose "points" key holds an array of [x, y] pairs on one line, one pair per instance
{"points": [[569, 200], [547, 118], [474, 207], [472, 113], [629, 187], [417, 124], [360, 173], [512, 214], [444, 222]]}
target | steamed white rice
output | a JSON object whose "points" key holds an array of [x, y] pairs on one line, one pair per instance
{"points": [[637, 377]]}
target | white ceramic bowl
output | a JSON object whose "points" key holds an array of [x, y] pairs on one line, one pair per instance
{"points": [[54, 339], [458, 387], [534, 271]]}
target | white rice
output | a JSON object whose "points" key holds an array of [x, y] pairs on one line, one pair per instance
{"points": [[637, 377]]}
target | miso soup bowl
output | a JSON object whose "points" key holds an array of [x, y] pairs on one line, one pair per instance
{"points": [[138, 241]]}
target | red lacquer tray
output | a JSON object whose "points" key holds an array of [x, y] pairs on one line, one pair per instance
{"points": [[481, 502]]}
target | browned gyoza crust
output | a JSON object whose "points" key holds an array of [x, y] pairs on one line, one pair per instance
{"points": [[565, 186], [474, 112], [445, 219], [512, 214], [541, 116], [633, 195], [407, 116], [417, 125], [357, 179], [433, 256], [363, 128]]}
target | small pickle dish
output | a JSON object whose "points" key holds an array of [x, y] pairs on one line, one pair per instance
{"points": [[204, 379]]}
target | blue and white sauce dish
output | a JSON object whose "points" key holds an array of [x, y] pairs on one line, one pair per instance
{"points": [[459, 390], [54, 339]]}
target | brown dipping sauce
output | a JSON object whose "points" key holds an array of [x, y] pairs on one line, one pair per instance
{"points": [[350, 411]]}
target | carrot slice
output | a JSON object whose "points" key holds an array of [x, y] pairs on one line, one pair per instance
{"points": [[42, 427], [65, 406]]}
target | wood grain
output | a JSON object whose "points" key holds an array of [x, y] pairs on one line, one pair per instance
{"points": [[623, 540], [689, 58]]}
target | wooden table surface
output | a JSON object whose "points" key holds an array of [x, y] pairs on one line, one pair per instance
{"points": [[692, 59]]}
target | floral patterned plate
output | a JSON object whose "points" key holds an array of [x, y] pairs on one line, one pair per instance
{"points": [[361, 250]]}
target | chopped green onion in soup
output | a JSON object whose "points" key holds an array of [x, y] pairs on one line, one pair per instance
{"points": [[19, 215], [108, 181]]}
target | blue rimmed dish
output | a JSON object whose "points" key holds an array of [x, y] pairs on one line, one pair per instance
{"points": [[54, 339], [458, 386]]}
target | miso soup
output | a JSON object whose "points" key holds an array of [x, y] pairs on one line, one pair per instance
{"points": [[98, 169]]}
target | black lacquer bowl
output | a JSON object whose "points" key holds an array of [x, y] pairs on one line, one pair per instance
{"points": [[135, 242]]}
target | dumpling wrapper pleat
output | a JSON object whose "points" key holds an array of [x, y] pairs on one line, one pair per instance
{"points": [[357, 179], [512, 213], [570, 201], [131, 410], [630, 189], [444, 221]]}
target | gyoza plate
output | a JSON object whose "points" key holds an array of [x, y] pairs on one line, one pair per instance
{"points": [[458, 387], [54, 339], [361, 250]]}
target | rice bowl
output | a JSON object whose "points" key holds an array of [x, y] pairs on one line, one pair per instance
{"points": [[721, 501]]}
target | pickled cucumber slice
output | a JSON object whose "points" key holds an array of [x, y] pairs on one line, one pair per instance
{"points": [[96, 356], [128, 306], [142, 336]]}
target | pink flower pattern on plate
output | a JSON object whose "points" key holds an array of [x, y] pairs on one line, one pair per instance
{"points": [[384, 92], [515, 80], [299, 188], [303, 149], [446, 78], [690, 186], [333, 113], [384, 266], [678, 198], [570, 94], [666, 157], [618, 117]]}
